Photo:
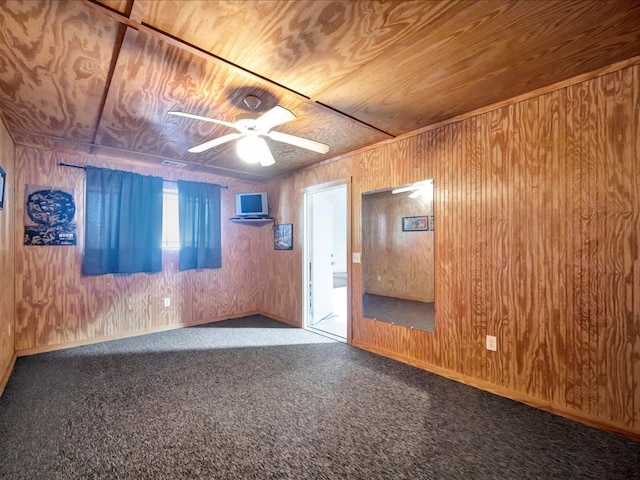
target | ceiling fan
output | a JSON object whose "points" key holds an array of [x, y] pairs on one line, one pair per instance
{"points": [[251, 146]]}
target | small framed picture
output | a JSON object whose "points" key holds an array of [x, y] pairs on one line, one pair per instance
{"points": [[415, 224], [3, 183], [283, 237]]}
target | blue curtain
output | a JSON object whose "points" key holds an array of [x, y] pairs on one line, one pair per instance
{"points": [[123, 227], [199, 218]]}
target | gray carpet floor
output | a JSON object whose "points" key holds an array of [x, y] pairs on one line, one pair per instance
{"points": [[254, 399]]}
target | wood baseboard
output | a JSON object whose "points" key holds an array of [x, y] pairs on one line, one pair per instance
{"points": [[91, 341], [5, 377], [560, 410]]}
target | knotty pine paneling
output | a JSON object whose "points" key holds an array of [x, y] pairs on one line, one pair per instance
{"points": [[7, 262], [633, 280], [616, 323], [281, 294], [553, 225], [537, 214], [57, 306]]}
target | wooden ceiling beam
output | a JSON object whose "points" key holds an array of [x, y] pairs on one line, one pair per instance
{"points": [[111, 75], [115, 78]]}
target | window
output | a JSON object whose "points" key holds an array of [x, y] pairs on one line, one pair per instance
{"points": [[200, 230], [170, 223], [123, 225], [200, 237]]}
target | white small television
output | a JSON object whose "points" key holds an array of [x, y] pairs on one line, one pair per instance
{"points": [[252, 205]]}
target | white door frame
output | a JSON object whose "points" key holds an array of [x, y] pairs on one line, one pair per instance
{"points": [[306, 192], [320, 248]]}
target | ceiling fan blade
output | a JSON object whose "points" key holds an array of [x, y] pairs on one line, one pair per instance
{"points": [[204, 119], [299, 142], [266, 161], [214, 143], [265, 157], [276, 116]]}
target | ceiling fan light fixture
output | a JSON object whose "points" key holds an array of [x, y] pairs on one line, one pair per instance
{"points": [[250, 127], [245, 148], [253, 149]]}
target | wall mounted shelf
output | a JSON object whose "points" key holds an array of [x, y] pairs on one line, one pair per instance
{"points": [[252, 221]]}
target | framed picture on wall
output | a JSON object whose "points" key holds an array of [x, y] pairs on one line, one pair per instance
{"points": [[415, 224], [283, 237], [49, 216], [3, 183]]}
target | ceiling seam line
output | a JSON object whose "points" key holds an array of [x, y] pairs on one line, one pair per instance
{"points": [[121, 18], [146, 26], [355, 119], [179, 43]]}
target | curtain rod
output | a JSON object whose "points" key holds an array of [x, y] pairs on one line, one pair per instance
{"points": [[62, 164]]}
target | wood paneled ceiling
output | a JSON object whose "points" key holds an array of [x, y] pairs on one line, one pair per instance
{"points": [[100, 77]]}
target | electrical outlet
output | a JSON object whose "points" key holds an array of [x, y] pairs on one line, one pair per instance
{"points": [[166, 302], [492, 343], [356, 257], [379, 278]]}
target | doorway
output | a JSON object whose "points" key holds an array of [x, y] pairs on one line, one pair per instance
{"points": [[326, 266]]}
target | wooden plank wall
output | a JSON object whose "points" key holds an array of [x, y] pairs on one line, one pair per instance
{"points": [[537, 209], [7, 265], [57, 307]]}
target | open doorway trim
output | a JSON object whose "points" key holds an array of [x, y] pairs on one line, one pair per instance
{"points": [[305, 273]]}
